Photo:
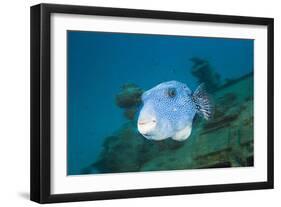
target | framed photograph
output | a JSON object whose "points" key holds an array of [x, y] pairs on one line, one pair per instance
{"points": [[133, 103]]}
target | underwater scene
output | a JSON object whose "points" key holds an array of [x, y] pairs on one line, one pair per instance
{"points": [[147, 102]]}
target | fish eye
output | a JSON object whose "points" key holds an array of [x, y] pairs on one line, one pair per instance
{"points": [[172, 92]]}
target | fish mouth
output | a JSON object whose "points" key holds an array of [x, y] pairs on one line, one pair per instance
{"points": [[146, 127], [146, 122]]}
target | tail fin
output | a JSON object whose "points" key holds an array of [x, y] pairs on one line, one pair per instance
{"points": [[202, 102]]}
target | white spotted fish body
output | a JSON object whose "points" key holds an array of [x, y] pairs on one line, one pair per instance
{"points": [[169, 109]]}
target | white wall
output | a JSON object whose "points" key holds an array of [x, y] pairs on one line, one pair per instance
{"points": [[14, 102]]}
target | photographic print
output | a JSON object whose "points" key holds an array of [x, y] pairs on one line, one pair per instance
{"points": [[148, 102], [132, 103]]}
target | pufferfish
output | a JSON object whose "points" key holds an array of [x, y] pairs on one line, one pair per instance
{"points": [[169, 109]]}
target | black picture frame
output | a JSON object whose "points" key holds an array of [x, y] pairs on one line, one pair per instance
{"points": [[40, 184]]}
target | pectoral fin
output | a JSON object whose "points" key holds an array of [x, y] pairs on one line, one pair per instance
{"points": [[183, 134]]}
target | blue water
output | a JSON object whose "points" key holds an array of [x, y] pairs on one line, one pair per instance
{"points": [[100, 63]]}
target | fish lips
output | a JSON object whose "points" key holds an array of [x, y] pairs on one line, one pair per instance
{"points": [[146, 127]]}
